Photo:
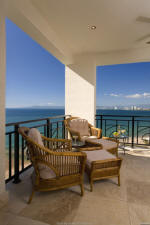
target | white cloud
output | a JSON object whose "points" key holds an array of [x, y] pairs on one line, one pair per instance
{"points": [[137, 95], [134, 96], [144, 95], [45, 104], [112, 95]]}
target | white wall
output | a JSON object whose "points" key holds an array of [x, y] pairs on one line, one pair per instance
{"points": [[2, 102], [80, 89]]}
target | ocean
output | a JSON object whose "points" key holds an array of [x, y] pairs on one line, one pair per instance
{"points": [[141, 125], [17, 115], [108, 127]]}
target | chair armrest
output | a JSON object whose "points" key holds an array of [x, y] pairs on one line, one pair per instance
{"points": [[96, 132], [111, 139], [57, 144]]}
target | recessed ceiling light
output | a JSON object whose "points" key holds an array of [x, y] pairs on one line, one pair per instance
{"points": [[93, 27]]}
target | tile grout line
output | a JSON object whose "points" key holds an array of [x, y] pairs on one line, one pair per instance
{"points": [[130, 220]]}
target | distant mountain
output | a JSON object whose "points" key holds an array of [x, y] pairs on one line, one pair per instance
{"points": [[45, 107]]}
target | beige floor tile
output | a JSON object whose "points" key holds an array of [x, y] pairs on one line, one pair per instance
{"points": [[109, 189], [138, 192], [73, 208], [108, 204], [17, 220], [5, 218], [53, 207], [139, 214], [18, 197], [103, 212]]}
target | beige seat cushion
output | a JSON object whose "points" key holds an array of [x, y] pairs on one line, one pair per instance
{"points": [[46, 172], [80, 125], [98, 155], [107, 144], [35, 135]]}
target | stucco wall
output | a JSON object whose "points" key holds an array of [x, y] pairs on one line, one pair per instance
{"points": [[2, 98], [80, 89]]}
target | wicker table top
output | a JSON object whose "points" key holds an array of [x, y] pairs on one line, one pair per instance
{"points": [[86, 147]]}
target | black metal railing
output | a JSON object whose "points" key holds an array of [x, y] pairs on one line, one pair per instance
{"points": [[137, 128], [16, 161]]}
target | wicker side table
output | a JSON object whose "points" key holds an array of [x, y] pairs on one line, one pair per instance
{"points": [[86, 146]]}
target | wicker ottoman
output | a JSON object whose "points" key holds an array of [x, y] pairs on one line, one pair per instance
{"points": [[101, 164], [109, 144]]}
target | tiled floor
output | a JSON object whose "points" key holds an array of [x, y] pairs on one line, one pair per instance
{"points": [[108, 204], [143, 151]]}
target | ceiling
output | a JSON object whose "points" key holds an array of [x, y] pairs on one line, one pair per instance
{"points": [[116, 22]]}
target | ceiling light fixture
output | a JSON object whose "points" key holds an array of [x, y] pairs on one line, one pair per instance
{"points": [[92, 27]]}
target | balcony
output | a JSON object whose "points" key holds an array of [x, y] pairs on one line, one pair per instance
{"points": [[108, 203], [137, 131], [64, 28]]}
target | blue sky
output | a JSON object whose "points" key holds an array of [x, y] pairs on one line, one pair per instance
{"points": [[124, 84], [35, 77]]}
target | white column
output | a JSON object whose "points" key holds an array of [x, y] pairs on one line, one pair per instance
{"points": [[3, 194], [80, 89]]}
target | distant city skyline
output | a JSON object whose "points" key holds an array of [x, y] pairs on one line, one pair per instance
{"points": [[36, 78]]}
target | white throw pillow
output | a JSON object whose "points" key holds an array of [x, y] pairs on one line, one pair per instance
{"points": [[35, 135]]}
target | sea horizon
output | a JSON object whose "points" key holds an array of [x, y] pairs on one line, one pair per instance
{"points": [[24, 114]]}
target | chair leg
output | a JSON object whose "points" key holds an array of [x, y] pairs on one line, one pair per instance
{"points": [[82, 189], [31, 196], [119, 180]]}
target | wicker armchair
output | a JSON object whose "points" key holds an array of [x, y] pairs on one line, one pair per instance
{"points": [[92, 131], [63, 168], [94, 137]]}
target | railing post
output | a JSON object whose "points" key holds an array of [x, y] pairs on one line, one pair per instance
{"points": [[137, 135], [51, 132], [64, 129], [132, 131], [48, 128], [101, 122], [57, 128], [116, 126], [16, 156]]}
